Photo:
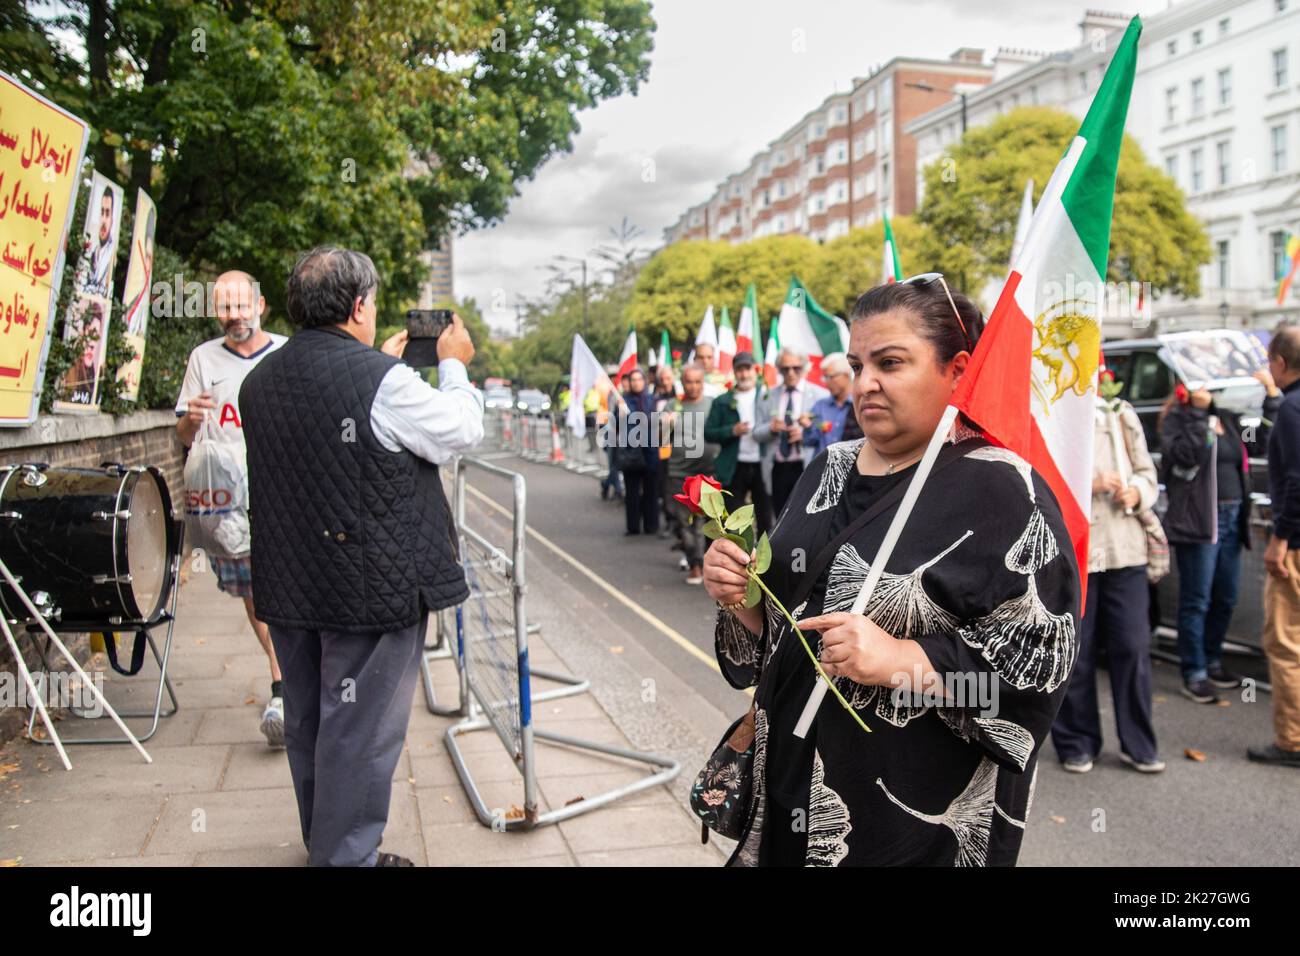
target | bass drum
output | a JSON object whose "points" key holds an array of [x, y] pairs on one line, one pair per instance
{"points": [[88, 545]]}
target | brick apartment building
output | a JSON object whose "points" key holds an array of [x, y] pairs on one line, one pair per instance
{"points": [[841, 164]]}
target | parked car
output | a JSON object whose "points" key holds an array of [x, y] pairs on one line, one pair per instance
{"points": [[1222, 360]]}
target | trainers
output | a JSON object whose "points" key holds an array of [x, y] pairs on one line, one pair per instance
{"points": [[1220, 677], [696, 576], [1201, 691], [1275, 755], [683, 564], [1076, 764], [273, 722], [1149, 766], [392, 859]]}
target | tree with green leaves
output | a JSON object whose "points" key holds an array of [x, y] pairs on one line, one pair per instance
{"points": [[973, 195], [262, 129]]}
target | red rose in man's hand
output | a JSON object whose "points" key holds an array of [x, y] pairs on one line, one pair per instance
{"points": [[690, 496]]}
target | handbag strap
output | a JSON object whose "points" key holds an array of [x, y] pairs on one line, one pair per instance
{"points": [[947, 455]]}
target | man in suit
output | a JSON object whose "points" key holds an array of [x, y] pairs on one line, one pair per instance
{"points": [[790, 412]]}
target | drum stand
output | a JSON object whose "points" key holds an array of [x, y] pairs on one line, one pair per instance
{"points": [[38, 703]]}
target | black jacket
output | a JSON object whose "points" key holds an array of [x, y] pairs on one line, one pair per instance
{"points": [[1284, 466], [1187, 468], [347, 535]]}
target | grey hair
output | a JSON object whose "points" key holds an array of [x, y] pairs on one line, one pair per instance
{"points": [[803, 359], [325, 285], [835, 363], [1285, 342]]}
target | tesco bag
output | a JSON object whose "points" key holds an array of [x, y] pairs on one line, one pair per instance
{"points": [[216, 495]]}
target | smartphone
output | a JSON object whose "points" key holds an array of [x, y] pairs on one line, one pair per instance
{"points": [[423, 326]]}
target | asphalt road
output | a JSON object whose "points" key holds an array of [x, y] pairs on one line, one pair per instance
{"points": [[1222, 810]]}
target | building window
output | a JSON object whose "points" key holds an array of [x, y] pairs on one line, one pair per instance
{"points": [[1223, 160], [780, 189], [871, 141], [1171, 104], [1224, 26], [1196, 38], [1279, 68], [1198, 96], [1171, 166], [1197, 157], [819, 165], [1033, 95], [839, 116], [1221, 262], [1083, 83], [780, 157], [1172, 47], [871, 183], [1277, 140], [1279, 6], [1277, 250], [1225, 86], [870, 101]]}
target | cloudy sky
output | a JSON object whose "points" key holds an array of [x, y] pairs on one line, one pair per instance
{"points": [[726, 77]]}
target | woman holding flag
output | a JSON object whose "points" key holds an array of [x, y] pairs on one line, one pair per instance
{"points": [[960, 662]]}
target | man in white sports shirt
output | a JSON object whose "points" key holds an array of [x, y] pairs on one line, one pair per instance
{"points": [[211, 389]]}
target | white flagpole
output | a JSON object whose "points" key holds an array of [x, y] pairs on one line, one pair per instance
{"points": [[885, 551], [72, 661], [36, 694]]}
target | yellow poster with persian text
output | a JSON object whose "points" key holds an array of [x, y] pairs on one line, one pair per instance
{"points": [[41, 149]]}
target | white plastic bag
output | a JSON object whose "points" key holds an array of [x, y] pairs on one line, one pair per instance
{"points": [[216, 495]]}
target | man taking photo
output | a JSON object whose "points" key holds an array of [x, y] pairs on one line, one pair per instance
{"points": [[353, 539]]}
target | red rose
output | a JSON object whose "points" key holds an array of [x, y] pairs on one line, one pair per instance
{"points": [[1107, 375], [826, 427], [691, 487], [1180, 392], [676, 354]]}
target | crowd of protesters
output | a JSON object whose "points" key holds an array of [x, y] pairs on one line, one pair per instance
{"points": [[757, 438]]}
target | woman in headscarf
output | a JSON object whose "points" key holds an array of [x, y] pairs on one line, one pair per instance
{"points": [[637, 454], [975, 613]]}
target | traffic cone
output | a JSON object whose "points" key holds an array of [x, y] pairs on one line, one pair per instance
{"points": [[557, 453], [507, 435]]}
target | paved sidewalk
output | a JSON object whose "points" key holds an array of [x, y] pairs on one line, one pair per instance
{"points": [[217, 795]]}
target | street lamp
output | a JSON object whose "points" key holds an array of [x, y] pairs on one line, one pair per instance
{"points": [[934, 89], [1223, 313], [583, 263]]}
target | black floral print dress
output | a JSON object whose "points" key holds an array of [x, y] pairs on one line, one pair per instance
{"points": [[984, 578]]}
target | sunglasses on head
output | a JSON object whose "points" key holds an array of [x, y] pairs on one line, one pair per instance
{"points": [[929, 278]]}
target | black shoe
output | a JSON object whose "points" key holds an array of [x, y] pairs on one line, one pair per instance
{"points": [[1275, 755], [626, 533], [1201, 691], [1220, 677], [392, 859], [604, 492]]}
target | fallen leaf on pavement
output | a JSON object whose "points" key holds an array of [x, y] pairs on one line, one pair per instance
{"points": [[616, 650], [1196, 755], [578, 799], [1055, 819]]}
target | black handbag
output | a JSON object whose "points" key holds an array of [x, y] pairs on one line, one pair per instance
{"points": [[630, 459], [723, 794]]}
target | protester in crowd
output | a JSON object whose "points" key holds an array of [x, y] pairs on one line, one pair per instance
{"points": [[210, 394], [353, 538], [831, 412], [731, 424], [791, 413], [598, 424], [687, 418], [1116, 615], [636, 454], [665, 394], [715, 382], [1282, 587], [982, 584], [1207, 481]]}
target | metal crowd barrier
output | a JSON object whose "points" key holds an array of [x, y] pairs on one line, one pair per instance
{"points": [[491, 650], [544, 439]]}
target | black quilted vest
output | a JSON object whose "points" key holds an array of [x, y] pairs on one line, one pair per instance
{"points": [[346, 535]]}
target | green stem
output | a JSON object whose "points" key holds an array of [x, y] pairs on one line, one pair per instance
{"points": [[811, 656]]}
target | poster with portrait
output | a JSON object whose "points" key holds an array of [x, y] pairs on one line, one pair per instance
{"points": [[135, 293], [90, 308], [41, 150], [1215, 358]]}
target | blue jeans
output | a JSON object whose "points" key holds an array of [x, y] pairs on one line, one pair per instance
{"points": [[613, 478], [1207, 593]]}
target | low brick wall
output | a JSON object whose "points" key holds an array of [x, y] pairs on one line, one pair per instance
{"points": [[86, 441]]}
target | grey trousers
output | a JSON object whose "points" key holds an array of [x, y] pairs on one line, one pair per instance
{"points": [[347, 702]]}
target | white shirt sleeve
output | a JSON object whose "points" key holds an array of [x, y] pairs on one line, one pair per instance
{"points": [[435, 424]]}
